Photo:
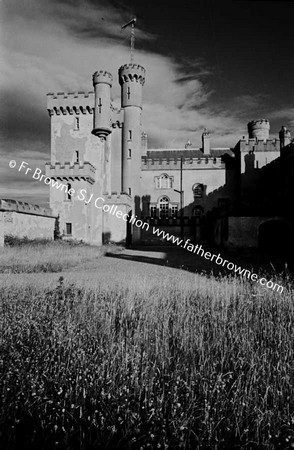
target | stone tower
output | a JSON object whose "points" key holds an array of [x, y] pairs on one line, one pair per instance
{"points": [[76, 166], [131, 79], [259, 129]]}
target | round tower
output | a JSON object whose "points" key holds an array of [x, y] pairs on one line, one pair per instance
{"points": [[102, 82], [259, 129], [131, 79]]}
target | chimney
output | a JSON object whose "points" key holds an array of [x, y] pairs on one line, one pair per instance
{"points": [[205, 142], [285, 137], [144, 143]]}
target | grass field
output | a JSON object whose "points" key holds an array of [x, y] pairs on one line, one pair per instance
{"points": [[161, 358]]}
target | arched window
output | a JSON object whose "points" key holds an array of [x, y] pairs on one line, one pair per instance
{"points": [[198, 190], [164, 181], [163, 207]]}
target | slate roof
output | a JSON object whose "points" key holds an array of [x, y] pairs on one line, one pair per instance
{"points": [[192, 153]]}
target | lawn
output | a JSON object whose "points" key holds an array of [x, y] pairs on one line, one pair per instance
{"points": [[139, 356]]}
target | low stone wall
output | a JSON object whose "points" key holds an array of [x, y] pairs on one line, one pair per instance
{"points": [[22, 219]]}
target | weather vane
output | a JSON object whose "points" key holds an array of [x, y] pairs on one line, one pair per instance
{"points": [[132, 24]]}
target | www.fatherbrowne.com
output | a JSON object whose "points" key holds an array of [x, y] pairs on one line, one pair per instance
{"points": [[199, 250], [113, 210]]}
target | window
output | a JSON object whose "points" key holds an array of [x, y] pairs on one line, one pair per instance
{"points": [[77, 156], [163, 207], [68, 229], [174, 210], [198, 190], [77, 123], [153, 211], [130, 191], [130, 135], [68, 194], [164, 182], [99, 105], [129, 153]]}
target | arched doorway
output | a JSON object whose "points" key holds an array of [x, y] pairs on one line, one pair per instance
{"points": [[275, 237]]}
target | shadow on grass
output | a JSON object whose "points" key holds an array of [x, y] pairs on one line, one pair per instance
{"points": [[180, 258]]}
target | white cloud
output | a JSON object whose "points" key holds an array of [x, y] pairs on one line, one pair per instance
{"points": [[57, 46]]}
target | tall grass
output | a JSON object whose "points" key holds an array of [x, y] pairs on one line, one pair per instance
{"points": [[100, 368], [24, 256]]}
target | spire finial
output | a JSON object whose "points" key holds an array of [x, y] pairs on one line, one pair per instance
{"points": [[132, 24]]}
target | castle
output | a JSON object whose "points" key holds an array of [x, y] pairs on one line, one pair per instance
{"points": [[104, 152], [101, 155]]}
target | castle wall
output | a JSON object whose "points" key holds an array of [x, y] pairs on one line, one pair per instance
{"points": [[22, 219], [114, 226], [26, 225], [263, 152], [243, 232]]}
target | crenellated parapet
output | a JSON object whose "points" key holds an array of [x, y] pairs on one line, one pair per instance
{"points": [[102, 76], [115, 198], [188, 163], [67, 171], [11, 205], [70, 103], [131, 72], [259, 145]]}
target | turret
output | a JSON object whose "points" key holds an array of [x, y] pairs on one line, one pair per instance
{"points": [[259, 129], [102, 82], [131, 79], [285, 137]]}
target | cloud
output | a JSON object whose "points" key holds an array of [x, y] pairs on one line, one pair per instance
{"points": [[57, 46]]}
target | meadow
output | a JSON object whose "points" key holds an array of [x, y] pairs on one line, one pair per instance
{"points": [[140, 357]]}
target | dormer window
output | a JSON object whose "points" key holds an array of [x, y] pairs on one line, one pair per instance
{"points": [[164, 181]]}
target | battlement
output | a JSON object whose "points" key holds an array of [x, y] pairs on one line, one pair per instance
{"points": [[116, 198], [263, 122], [260, 145], [102, 76], [11, 205], [131, 72], [188, 163], [67, 171], [70, 103]]}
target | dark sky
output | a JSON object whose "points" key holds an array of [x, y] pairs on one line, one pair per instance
{"points": [[248, 45], [214, 64]]}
